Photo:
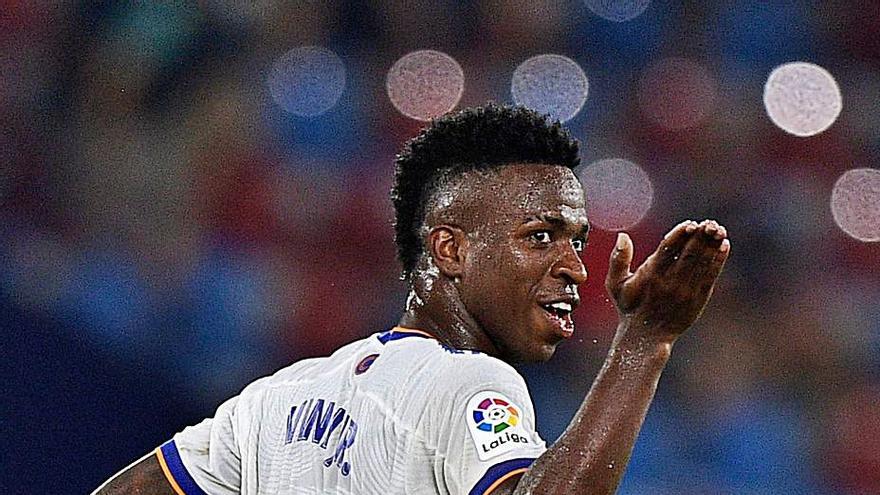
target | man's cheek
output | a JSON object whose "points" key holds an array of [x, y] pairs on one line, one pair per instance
{"points": [[521, 262]]}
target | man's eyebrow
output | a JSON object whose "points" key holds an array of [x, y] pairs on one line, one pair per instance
{"points": [[556, 221]]}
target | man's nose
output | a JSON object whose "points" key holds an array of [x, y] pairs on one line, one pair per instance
{"points": [[570, 267]]}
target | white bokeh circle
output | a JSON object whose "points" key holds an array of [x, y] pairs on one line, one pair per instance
{"points": [[425, 84], [855, 203], [802, 98], [307, 80], [550, 84], [619, 193]]}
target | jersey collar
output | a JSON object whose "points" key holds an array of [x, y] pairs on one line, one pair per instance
{"points": [[398, 333]]}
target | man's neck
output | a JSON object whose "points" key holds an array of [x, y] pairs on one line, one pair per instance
{"points": [[440, 312]]}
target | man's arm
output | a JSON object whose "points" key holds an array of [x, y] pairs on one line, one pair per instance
{"points": [[205, 454], [656, 305], [143, 477]]}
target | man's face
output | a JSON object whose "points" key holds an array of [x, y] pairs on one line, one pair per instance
{"points": [[522, 266]]}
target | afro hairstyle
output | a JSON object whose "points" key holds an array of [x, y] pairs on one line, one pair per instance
{"points": [[476, 138]]}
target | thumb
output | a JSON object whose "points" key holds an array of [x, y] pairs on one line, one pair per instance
{"points": [[618, 265]]}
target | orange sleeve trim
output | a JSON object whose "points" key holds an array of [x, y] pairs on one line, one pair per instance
{"points": [[164, 465], [504, 478]]}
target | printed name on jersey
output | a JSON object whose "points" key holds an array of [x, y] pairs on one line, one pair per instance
{"points": [[317, 420], [495, 423]]}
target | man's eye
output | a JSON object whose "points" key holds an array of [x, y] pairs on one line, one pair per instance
{"points": [[541, 237], [579, 245]]}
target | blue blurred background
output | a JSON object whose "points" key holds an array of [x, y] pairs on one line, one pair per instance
{"points": [[168, 233]]}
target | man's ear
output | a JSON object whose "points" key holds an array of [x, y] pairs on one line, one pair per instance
{"points": [[447, 245]]}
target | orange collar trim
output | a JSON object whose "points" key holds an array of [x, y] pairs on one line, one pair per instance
{"points": [[413, 331]]}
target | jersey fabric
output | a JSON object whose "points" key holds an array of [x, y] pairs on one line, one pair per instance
{"points": [[396, 413]]}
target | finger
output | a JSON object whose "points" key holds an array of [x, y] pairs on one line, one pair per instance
{"points": [[715, 233], [695, 258], [711, 229], [619, 264], [706, 280], [720, 259], [671, 245], [679, 234]]}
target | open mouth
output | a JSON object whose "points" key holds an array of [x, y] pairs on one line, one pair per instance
{"points": [[560, 315]]}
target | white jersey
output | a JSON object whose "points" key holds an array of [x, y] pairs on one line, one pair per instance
{"points": [[395, 413]]}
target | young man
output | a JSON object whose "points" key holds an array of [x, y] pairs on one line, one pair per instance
{"points": [[490, 225]]}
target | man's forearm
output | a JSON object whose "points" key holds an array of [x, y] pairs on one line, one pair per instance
{"points": [[591, 456], [143, 477]]}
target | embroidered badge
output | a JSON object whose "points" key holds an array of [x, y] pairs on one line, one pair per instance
{"points": [[365, 364], [495, 423]]}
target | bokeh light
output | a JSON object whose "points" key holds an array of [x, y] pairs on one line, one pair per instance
{"points": [[855, 203], [550, 84], [676, 93], [425, 84], [307, 80], [619, 193], [802, 98], [617, 10]]}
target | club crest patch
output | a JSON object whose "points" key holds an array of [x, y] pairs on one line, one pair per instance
{"points": [[495, 423], [365, 364]]}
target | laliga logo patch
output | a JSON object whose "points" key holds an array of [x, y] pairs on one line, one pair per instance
{"points": [[495, 415], [495, 424]]}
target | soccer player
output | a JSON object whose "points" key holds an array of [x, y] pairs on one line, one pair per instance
{"points": [[490, 228]]}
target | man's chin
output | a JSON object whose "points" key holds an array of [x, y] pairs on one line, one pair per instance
{"points": [[539, 354]]}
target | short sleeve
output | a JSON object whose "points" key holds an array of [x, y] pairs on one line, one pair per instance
{"points": [[490, 433], [205, 458]]}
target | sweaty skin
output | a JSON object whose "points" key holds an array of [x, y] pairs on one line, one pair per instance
{"points": [[495, 269], [498, 245], [143, 477], [509, 242]]}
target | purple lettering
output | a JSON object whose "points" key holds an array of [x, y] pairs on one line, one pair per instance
{"points": [[289, 437], [302, 425], [337, 418], [322, 423]]}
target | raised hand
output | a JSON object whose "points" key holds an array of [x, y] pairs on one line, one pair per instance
{"points": [[668, 292]]}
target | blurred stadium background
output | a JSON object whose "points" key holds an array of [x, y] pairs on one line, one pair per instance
{"points": [[177, 220]]}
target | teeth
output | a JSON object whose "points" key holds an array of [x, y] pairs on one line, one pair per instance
{"points": [[562, 306]]}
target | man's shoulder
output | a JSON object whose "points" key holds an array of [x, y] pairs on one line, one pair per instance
{"points": [[437, 369], [314, 369], [478, 369]]}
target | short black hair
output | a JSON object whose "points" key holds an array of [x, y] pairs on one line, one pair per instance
{"points": [[473, 139]]}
